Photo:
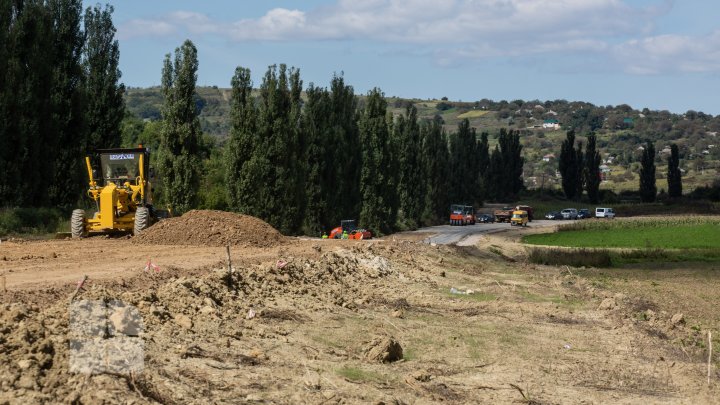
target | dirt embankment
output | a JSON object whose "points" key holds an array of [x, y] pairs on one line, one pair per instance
{"points": [[211, 228]]}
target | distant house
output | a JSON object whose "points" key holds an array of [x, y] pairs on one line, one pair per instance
{"points": [[628, 121], [551, 112], [551, 124], [548, 157], [640, 148], [604, 172], [666, 151]]}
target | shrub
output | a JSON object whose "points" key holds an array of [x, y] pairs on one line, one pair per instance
{"points": [[30, 220]]}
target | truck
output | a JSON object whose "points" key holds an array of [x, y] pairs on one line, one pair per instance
{"points": [[527, 208], [504, 214]]}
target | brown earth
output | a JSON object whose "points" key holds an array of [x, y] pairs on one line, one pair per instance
{"points": [[324, 321]]}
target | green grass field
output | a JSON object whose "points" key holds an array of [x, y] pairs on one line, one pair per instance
{"points": [[675, 234]]}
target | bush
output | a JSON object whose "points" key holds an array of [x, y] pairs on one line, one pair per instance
{"points": [[30, 220]]}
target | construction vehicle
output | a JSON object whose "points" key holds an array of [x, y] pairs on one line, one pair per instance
{"points": [[519, 218], [122, 194], [504, 214], [470, 217], [457, 214], [349, 230]]}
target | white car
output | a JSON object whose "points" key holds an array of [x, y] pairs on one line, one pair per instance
{"points": [[604, 213]]}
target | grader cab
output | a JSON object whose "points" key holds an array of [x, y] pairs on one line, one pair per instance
{"points": [[122, 193]]}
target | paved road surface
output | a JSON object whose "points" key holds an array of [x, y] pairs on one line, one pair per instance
{"points": [[471, 234]]}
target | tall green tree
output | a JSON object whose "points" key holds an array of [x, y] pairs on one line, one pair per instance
{"points": [[483, 159], [67, 100], [180, 141], [674, 177], [105, 107], [247, 168], [580, 173], [29, 141], [496, 178], [511, 152], [7, 19], [568, 166], [435, 168], [592, 170], [278, 123], [376, 189], [464, 164], [648, 189], [410, 182], [316, 134]]}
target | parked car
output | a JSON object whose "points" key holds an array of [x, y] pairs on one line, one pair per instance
{"points": [[569, 213], [486, 218], [604, 213], [553, 215], [583, 213]]}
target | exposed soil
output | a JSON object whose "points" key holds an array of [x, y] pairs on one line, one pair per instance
{"points": [[211, 228], [340, 321]]}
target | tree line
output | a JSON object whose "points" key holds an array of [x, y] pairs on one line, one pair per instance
{"points": [[304, 163], [60, 98], [581, 171]]}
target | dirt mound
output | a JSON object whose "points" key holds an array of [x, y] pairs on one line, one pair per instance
{"points": [[211, 228]]}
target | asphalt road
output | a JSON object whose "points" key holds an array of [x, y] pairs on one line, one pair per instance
{"points": [[470, 234]]}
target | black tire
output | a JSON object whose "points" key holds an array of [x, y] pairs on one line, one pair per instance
{"points": [[78, 223], [142, 220]]}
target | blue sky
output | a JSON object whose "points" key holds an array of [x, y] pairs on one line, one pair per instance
{"points": [[659, 54]]}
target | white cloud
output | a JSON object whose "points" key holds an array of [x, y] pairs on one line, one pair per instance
{"points": [[461, 31], [670, 54]]}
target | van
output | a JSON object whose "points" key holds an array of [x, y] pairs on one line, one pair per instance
{"points": [[519, 218], [604, 213]]}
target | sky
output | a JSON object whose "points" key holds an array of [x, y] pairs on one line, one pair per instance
{"points": [[656, 54]]}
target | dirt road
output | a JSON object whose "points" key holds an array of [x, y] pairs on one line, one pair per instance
{"points": [[469, 235], [317, 322]]}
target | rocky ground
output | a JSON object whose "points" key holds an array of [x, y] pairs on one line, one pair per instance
{"points": [[337, 321]]}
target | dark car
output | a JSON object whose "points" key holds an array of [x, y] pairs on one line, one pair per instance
{"points": [[583, 213], [553, 215], [486, 218]]}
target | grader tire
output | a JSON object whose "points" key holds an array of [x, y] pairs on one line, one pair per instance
{"points": [[142, 220], [77, 224]]}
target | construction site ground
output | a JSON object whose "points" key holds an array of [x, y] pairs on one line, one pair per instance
{"points": [[319, 321]]}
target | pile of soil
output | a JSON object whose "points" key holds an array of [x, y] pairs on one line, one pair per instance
{"points": [[211, 228]]}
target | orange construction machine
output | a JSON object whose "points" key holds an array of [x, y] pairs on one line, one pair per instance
{"points": [[349, 230]]}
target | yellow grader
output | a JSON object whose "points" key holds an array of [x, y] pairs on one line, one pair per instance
{"points": [[122, 194]]}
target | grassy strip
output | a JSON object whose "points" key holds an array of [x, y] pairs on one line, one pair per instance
{"points": [[608, 258], [632, 234]]}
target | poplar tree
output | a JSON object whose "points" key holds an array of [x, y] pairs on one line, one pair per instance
{"points": [[674, 177], [568, 166], [483, 159], [67, 99], [376, 191], [435, 168], [511, 152], [579, 174], [464, 164], [648, 189], [29, 141], [592, 170], [242, 160], [410, 182], [180, 139], [318, 186], [105, 107]]}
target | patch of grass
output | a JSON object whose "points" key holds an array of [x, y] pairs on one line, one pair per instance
{"points": [[472, 114], [679, 234], [359, 375], [571, 257]]}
